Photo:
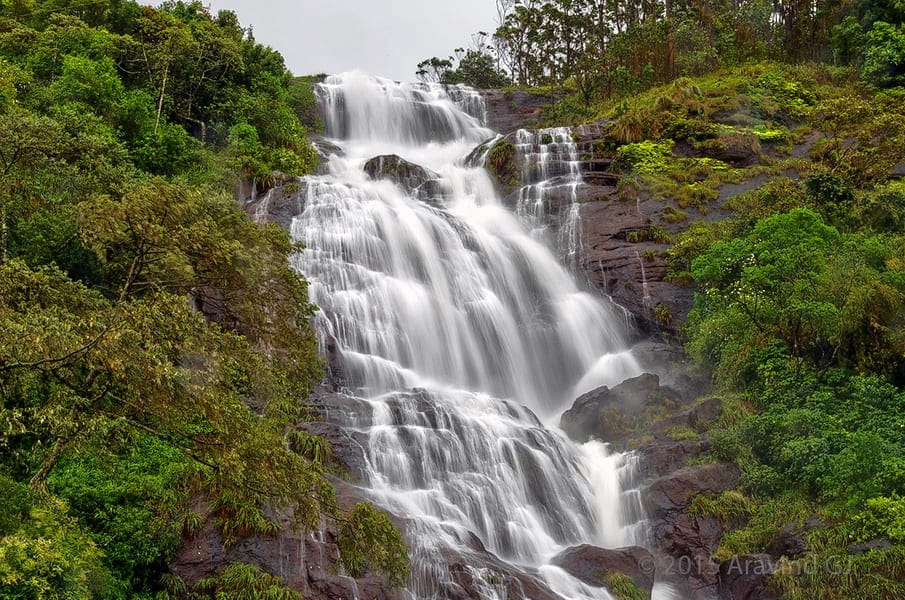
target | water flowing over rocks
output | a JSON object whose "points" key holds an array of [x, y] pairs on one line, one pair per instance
{"points": [[451, 334], [567, 186], [593, 565], [411, 177]]}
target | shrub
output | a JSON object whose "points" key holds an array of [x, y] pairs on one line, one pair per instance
{"points": [[645, 157]]}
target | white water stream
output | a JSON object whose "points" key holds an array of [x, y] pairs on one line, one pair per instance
{"points": [[465, 338]]}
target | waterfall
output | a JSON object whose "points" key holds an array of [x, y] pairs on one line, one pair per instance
{"points": [[551, 173], [461, 335]]}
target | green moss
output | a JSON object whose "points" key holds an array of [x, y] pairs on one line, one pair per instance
{"points": [[501, 163], [623, 588], [727, 507], [676, 433]]}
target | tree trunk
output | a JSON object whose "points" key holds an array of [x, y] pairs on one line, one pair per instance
{"points": [[3, 234], [40, 477], [163, 89]]}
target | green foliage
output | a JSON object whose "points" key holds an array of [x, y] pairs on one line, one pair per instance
{"points": [[50, 556], [501, 162], [884, 54], [645, 157], [155, 345], [761, 520], [792, 279], [883, 517], [696, 195], [623, 588], [369, 541], [477, 69], [245, 582], [102, 488]]}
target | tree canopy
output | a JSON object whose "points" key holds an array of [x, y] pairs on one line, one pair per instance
{"points": [[155, 345]]}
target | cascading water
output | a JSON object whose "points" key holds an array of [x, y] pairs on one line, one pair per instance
{"points": [[551, 170], [459, 333]]}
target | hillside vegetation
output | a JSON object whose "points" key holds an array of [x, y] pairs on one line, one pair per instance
{"points": [[799, 312], [155, 345]]}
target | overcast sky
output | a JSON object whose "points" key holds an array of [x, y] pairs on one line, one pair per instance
{"points": [[380, 37]]}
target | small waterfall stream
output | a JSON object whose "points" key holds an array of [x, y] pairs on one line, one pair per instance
{"points": [[462, 337], [551, 173]]}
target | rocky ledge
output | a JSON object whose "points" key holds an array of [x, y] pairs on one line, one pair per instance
{"points": [[666, 425]]}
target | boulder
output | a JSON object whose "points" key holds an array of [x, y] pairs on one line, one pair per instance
{"points": [[746, 577], [471, 573], [609, 414], [305, 561], [403, 173], [676, 490], [592, 565], [737, 149], [864, 548], [789, 542], [689, 540]]}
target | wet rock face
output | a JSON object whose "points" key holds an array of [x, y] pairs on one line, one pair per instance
{"points": [[279, 205], [305, 561], [473, 574], [689, 541], [621, 241], [593, 565], [425, 184], [398, 170], [623, 254], [607, 414], [508, 110]]}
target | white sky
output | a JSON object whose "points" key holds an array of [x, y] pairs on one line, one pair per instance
{"points": [[381, 37]]}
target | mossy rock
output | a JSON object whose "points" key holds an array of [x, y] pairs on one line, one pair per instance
{"points": [[502, 165]]}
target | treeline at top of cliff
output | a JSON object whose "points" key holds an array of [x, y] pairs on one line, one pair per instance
{"points": [[602, 49]]}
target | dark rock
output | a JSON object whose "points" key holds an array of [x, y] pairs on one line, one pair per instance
{"points": [[676, 490], [663, 456], [737, 149], [305, 561], [864, 548], [607, 414], [398, 170], [689, 540], [325, 148], [746, 577], [592, 565], [789, 542], [509, 110], [898, 171], [279, 204], [620, 259], [473, 572]]}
